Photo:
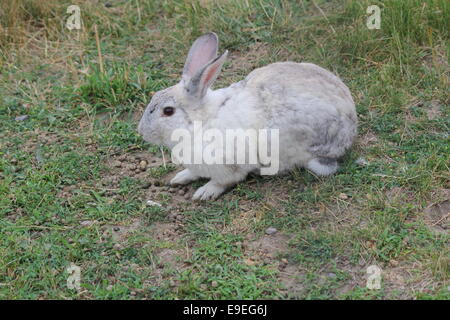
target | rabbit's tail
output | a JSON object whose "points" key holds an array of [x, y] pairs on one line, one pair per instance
{"points": [[323, 166]]}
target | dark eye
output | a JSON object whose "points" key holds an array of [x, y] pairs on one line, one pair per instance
{"points": [[168, 111]]}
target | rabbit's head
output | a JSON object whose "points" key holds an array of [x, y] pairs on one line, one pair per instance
{"points": [[172, 108]]}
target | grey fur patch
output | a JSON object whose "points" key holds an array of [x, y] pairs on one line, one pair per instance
{"points": [[193, 84], [234, 167], [160, 98], [327, 161], [334, 136], [261, 94], [224, 102]]}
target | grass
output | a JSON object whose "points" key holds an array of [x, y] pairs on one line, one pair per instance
{"points": [[63, 201]]}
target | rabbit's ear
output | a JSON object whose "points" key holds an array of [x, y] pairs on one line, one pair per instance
{"points": [[203, 50], [205, 77]]}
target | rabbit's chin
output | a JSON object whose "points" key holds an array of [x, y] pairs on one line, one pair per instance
{"points": [[153, 139], [148, 139]]}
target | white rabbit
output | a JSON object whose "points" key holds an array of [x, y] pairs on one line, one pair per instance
{"points": [[312, 109]]}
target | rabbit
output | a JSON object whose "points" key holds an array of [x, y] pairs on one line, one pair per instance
{"points": [[312, 109]]}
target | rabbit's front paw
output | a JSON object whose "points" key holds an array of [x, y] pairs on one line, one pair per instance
{"points": [[183, 177], [209, 191]]}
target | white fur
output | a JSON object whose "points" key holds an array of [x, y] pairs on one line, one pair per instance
{"points": [[322, 170]]}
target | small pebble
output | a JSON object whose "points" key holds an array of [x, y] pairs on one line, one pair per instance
{"points": [[22, 118], [146, 185], [271, 230], [187, 196], [332, 275], [214, 284], [361, 162], [343, 196], [86, 223], [153, 203], [143, 165], [181, 192], [393, 263]]}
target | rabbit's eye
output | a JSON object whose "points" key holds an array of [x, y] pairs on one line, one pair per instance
{"points": [[168, 111]]}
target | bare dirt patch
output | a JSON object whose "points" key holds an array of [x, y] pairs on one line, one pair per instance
{"points": [[169, 252], [437, 216], [146, 167], [241, 63], [434, 110], [165, 231], [368, 139], [269, 250], [399, 194], [269, 246], [243, 221], [172, 254], [403, 280], [399, 279], [120, 233], [436, 59], [291, 278]]}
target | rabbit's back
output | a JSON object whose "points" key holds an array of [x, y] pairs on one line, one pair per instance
{"points": [[288, 80], [312, 108]]}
